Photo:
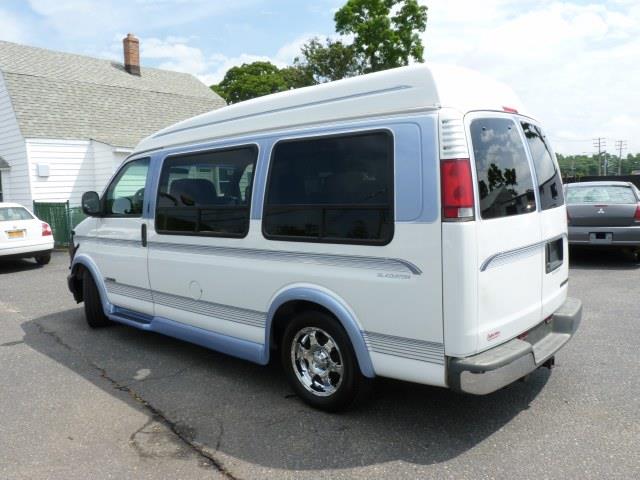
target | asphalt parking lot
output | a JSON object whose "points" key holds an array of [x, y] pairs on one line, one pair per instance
{"points": [[120, 403]]}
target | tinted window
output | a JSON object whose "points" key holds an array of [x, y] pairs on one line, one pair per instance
{"points": [[125, 194], [12, 214], [332, 189], [549, 181], [601, 194], [207, 194], [504, 177]]}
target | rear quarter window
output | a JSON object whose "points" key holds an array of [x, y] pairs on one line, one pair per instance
{"points": [[505, 183]]}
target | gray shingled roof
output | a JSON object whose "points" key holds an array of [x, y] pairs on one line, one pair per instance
{"points": [[68, 96]]}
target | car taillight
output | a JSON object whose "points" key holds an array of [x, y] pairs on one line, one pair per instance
{"points": [[46, 230], [636, 217], [457, 189], [568, 217]]}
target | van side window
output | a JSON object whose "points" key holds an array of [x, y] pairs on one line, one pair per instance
{"points": [[207, 194], [336, 189], [505, 182], [125, 195], [549, 181]]}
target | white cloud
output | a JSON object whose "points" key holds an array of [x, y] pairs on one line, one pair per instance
{"points": [[89, 18], [174, 53], [10, 28], [575, 65]]}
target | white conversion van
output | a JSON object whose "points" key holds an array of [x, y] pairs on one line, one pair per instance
{"points": [[406, 224]]}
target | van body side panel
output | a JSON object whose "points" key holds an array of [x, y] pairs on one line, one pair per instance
{"points": [[227, 285], [460, 287]]}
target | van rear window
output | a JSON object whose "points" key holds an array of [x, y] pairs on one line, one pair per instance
{"points": [[505, 183], [549, 181]]}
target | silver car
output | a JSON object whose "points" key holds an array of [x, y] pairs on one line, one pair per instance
{"points": [[604, 214]]}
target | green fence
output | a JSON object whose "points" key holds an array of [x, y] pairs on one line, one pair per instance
{"points": [[61, 217]]}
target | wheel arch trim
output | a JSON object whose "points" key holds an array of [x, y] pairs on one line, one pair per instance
{"points": [[86, 261], [333, 304]]}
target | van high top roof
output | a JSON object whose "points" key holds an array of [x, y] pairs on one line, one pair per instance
{"points": [[404, 90]]}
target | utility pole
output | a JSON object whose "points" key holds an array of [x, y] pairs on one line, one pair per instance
{"points": [[600, 143], [620, 145]]}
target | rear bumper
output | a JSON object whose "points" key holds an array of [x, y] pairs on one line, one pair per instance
{"points": [[25, 251], [621, 236], [493, 369]]}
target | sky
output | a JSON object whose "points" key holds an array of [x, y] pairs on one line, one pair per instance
{"points": [[575, 64]]}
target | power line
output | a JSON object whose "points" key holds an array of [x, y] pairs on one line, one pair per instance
{"points": [[600, 143], [620, 145]]}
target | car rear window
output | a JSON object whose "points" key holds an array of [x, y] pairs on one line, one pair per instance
{"points": [[549, 181], [11, 214], [601, 194], [505, 182]]}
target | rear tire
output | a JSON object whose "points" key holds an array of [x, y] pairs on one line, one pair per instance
{"points": [[43, 259], [320, 363], [93, 311]]}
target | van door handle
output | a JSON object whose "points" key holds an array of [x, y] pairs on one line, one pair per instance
{"points": [[143, 234]]}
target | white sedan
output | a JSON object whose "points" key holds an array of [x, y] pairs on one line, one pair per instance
{"points": [[23, 235]]}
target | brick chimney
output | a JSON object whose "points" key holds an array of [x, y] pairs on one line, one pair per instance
{"points": [[131, 54]]}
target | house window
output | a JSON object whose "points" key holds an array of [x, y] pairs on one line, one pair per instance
{"points": [[207, 194], [336, 189]]}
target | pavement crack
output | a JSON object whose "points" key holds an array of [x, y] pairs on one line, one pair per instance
{"points": [[161, 377], [11, 344], [156, 414]]}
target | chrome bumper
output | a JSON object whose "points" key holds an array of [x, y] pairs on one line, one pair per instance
{"points": [[493, 369]]}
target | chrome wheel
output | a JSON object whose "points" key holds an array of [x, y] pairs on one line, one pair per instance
{"points": [[317, 361]]}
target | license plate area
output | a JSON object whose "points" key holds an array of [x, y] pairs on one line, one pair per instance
{"points": [[600, 237], [12, 234]]}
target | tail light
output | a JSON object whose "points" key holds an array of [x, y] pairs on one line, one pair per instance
{"points": [[46, 230], [457, 189], [569, 217], [636, 217]]}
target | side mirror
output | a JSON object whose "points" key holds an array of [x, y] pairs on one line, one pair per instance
{"points": [[91, 204]]}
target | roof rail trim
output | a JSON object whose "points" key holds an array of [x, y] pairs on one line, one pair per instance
{"points": [[284, 109]]}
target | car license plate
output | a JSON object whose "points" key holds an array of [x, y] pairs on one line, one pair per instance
{"points": [[600, 237], [15, 233]]}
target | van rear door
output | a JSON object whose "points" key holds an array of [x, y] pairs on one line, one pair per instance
{"points": [[509, 230], [553, 218]]}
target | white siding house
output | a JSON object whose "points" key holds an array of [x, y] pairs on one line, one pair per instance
{"points": [[67, 121]]}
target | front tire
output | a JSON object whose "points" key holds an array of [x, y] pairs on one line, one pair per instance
{"points": [[320, 363], [93, 311], [43, 259]]}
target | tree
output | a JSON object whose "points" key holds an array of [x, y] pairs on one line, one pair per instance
{"points": [[251, 80], [376, 35], [385, 32], [327, 62]]}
